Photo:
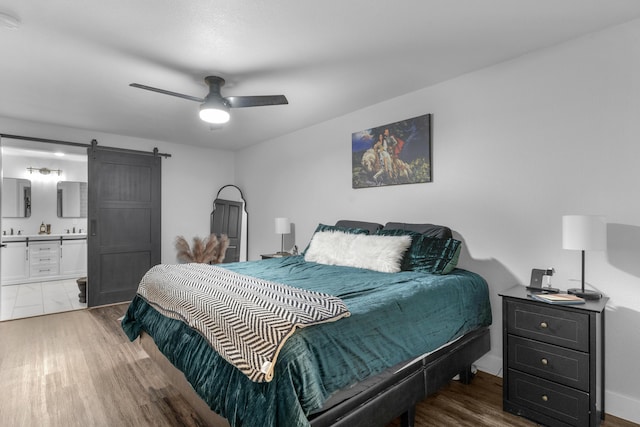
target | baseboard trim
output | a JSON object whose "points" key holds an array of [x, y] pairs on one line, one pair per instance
{"points": [[622, 406], [491, 364]]}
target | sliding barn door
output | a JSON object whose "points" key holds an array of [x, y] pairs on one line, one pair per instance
{"points": [[124, 223]]}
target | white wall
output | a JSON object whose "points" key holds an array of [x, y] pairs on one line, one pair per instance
{"points": [[515, 147], [191, 177]]}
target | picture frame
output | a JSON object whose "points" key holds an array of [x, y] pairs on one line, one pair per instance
{"points": [[392, 154]]}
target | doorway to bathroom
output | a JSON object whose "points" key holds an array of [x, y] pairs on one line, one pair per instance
{"points": [[44, 223], [113, 237]]}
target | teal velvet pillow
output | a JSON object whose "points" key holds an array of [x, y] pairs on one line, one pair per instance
{"points": [[324, 227], [428, 254]]}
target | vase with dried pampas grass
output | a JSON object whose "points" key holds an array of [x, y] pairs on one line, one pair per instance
{"points": [[210, 250]]}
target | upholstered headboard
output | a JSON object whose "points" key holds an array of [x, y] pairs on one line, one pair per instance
{"points": [[430, 230], [371, 226]]}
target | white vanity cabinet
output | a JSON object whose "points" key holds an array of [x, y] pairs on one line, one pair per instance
{"points": [[43, 258], [15, 262], [73, 258]]}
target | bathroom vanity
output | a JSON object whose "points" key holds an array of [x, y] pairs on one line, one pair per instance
{"points": [[43, 257]]}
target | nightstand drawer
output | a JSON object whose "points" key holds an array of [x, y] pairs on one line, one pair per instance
{"points": [[568, 367], [549, 324], [563, 403]]}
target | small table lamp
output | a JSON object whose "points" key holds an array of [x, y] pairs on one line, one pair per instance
{"points": [[584, 233], [283, 226]]}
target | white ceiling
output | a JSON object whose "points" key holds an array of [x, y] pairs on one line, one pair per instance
{"points": [[71, 62]]}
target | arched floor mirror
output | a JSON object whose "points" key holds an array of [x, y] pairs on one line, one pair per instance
{"points": [[229, 216]]}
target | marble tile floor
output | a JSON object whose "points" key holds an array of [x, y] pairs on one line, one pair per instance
{"points": [[35, 299]]}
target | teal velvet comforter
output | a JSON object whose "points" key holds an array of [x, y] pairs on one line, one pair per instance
{"points": [[394, 317]]}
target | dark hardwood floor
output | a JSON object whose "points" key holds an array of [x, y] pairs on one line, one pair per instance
{"points": [[79, 369]]}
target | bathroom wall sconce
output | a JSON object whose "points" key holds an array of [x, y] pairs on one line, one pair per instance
{"points": [[44, 171]]}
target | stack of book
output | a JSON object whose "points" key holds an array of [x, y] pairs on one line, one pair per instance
{"points": [[566, 299]]}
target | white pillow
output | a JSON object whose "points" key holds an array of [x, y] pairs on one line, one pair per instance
{"points": [[373, 252]]}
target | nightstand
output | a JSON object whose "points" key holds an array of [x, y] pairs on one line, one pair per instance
{"points": [[553, 360]]}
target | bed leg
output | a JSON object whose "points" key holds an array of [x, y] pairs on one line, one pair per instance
{"points": [[408, 419], [466, 375]]}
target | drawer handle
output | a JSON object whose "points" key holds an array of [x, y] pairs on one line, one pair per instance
{"points": [[545, 398], [544, 325], [544, 361]]}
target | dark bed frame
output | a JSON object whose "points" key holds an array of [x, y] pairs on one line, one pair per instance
{"points": [[377, 400], [394, 394]]}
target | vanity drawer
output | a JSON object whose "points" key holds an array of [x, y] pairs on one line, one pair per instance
{"points": [[563, 403], [562, 365], [44, 259], [44, 270], [549, 324], [44, 250]]}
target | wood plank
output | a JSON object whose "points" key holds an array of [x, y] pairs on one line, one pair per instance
{"points": [[79, 369]]}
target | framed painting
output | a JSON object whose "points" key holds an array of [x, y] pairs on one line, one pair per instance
{"points": [[392, 154]]}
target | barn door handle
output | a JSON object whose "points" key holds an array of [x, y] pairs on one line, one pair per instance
{"points": [[94, 227]]}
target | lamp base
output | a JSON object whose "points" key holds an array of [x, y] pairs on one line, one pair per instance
{"points": [[586, 293]]}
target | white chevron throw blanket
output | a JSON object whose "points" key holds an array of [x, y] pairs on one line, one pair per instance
{"points": [[245, 319]]}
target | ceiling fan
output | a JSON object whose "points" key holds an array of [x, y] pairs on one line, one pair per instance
{"points": [[214, 107]]}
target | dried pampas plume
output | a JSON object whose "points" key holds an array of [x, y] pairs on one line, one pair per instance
{"points": [[209, 250]]}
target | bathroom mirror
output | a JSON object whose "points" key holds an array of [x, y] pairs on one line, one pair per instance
{"points": [[72, 199], [16, 198]]}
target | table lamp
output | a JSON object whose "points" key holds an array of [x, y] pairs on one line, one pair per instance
{"points": [[584, 233], [283, 226]]}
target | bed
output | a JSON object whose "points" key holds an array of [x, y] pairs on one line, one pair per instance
{"points": [[407, 334]]}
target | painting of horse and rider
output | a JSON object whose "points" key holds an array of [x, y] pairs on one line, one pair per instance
{"points": [[392, 154]]}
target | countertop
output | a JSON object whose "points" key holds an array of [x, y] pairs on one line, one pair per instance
{"points": [[52, 236]]}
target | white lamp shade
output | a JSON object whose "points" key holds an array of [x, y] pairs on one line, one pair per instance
{"points": [[283, 226], [584, 232]]}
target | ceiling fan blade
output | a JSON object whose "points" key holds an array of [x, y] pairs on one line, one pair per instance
{"points": [[256, 101], [167, 92]]}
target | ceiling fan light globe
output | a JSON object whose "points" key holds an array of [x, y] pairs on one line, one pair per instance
{"points": [[214, 114]]}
